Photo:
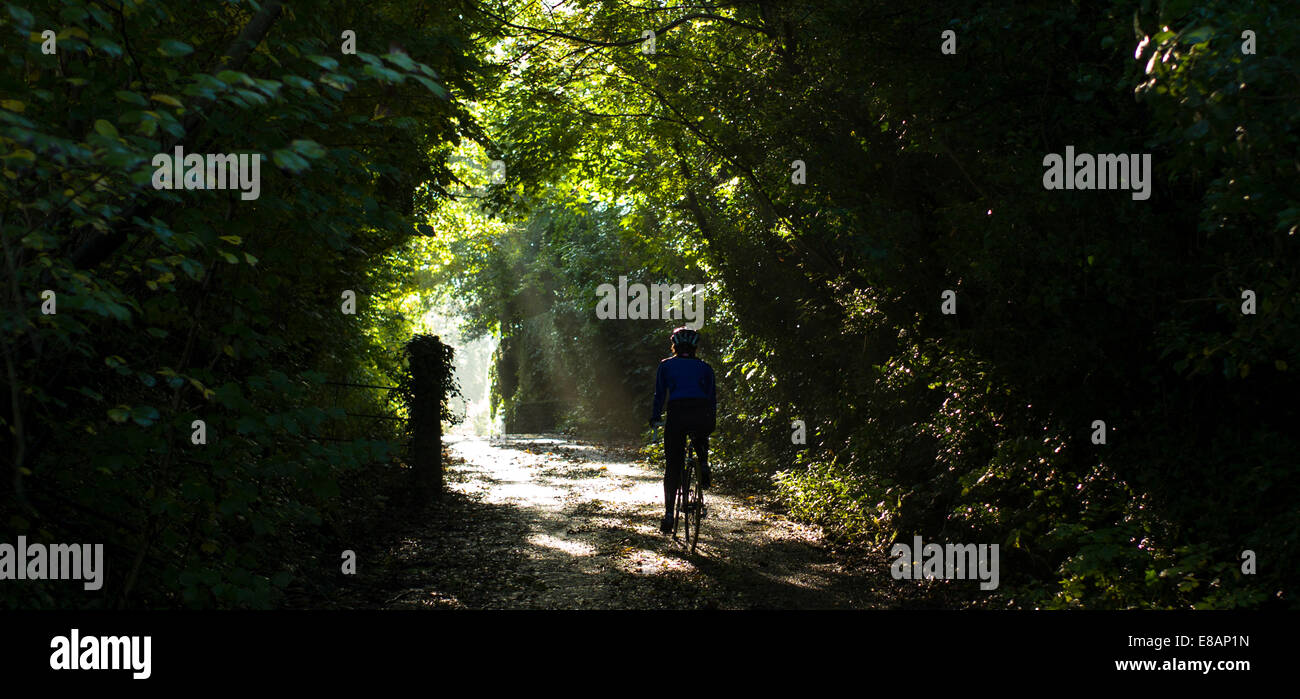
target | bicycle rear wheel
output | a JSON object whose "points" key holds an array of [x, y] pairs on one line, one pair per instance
{"points": [[684, 499], [679, 509], [694, 509]]}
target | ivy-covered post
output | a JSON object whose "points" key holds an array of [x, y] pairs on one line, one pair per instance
{"points": [[429, 384]]}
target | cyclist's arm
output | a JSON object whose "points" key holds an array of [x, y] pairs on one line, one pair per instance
{"points": [[661, 387]]}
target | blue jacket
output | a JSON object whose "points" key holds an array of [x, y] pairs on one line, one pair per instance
{"points": [[683, 377]]}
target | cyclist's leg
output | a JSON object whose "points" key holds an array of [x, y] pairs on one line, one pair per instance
{"points": [[674, 451], [701, 441], [702, 424]]}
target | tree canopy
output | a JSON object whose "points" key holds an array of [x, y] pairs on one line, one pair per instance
{"points": [[824, 171], [924, 174]]}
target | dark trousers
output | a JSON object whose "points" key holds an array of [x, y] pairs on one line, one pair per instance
{"points": [[686, 417]]}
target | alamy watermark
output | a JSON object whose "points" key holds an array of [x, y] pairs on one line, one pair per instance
{"points": [[637, 301], [1102, 171], [53, 562], [240, 171], [947, 561]]}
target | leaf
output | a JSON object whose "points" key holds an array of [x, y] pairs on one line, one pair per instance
{"points": [[434, 87], [232, 239], [132, 97], [207, 392], [103, 128], [119, 414], [174, 48], [300, 83], [13, 105], [251, 96], [144, 415], [1198, 35], [21, 16], [109, 48], [310, 149], [324, 61], [401, 60], [166, 99], [289, 160], [230, 77], [383, 74], [338, 81]]}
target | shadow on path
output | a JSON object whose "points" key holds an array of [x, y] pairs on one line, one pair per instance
{"points": [[540, 522]]}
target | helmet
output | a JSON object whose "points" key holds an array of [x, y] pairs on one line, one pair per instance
{"points": [[685, 336]]}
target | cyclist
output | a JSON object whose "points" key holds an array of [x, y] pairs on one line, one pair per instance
{"points": [[684, 384]]}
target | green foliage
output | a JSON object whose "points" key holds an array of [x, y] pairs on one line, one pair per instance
{"points": [[446, 387], [176, 306], [924, 174], [536, 286]]}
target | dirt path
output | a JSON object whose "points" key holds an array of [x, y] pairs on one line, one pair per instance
{"points": [[550, 523]]}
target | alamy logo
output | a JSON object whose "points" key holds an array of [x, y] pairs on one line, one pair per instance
{"points": [[240, 171], [53, 562], [949, 561], [1103, 171], [77, 652], [636, 301]]}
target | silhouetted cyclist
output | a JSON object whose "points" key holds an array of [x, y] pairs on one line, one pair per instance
{"points": [[686, 383]]}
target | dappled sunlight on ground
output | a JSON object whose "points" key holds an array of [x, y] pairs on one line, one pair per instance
{"points": [[573, 548], [543, 522]]}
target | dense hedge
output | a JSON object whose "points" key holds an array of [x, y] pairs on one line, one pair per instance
{"points": [[175, 306]]}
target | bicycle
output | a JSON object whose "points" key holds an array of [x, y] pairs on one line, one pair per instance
{"points": [[691, 499], [689, 507]]}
